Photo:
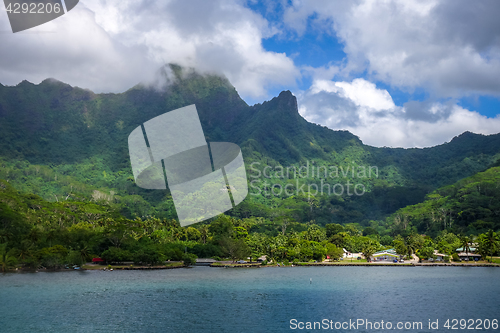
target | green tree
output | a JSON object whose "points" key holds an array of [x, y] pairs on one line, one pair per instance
{"points": [[386, 240], [204, 233], [148, 255], [235, 248], [342, 240], [7, 260], [489, 243], [333, 229], [400, 245], [370, 231], [315, 233], [256, 242], [240, 233], [447, 242], [319, 251], [193, 234], [352, 229], [116, 255], [222, 227], [413, 243], [189, 259], [427, 250], [334, 252], [284, 221], [368, 249], [74, 258], [53, 257], [464, 243]]}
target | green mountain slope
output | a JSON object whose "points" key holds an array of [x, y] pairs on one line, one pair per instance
{"points": [[470, 206], [67, 143]]}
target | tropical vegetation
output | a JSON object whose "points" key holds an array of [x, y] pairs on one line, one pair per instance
{"points": [[68, 193]]}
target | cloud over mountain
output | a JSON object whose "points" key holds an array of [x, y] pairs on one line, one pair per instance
{"points": [[448, 47], [370, 113], [109, 46]]}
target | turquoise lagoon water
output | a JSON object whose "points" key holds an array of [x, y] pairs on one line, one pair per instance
{"points": [[204, 299]]}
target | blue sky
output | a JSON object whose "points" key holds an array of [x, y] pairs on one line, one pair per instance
{"points": [[395, 73], [485, 105], [318, 49]]}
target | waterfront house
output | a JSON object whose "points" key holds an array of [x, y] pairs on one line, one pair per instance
{"points": [[472, 249], [439, 256], [351, 256], [469, 256], [389, 254]]}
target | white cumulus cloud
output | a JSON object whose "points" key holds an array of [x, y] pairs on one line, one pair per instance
{"points": [[368, 112], [450, 48]]}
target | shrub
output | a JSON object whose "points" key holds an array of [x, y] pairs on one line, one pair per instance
{"points": [[7, 261], [173, 252], [206, 250], [148, 255], [189, 259], [74, 258], [114, 254], [52, 261], [455, 257], [53, 257]]}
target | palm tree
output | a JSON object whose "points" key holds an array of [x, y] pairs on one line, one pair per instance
{"points": [[5, 235], [489, 242], [411, 245], [35, 234], [204, 233], [368, 250], [6, 260], [25, 250], [83, 253], [464, 242]]}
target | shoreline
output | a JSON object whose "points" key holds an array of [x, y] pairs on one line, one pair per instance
{"points": [[231, 265], [95, 268], [364, 264]]}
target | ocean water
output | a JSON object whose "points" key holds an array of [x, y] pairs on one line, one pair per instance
{"points": [[205, 299]]}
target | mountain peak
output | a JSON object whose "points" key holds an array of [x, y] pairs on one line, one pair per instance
{"points": [[288, 101], [285, 103], [467, 135], [25, 83]]}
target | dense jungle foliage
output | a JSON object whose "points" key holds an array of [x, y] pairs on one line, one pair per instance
{"points": [[38, 233]]}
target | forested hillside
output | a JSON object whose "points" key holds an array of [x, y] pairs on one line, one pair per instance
{"points": [[67, 192], [470, 206], [67, 144], [37, 233]]}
